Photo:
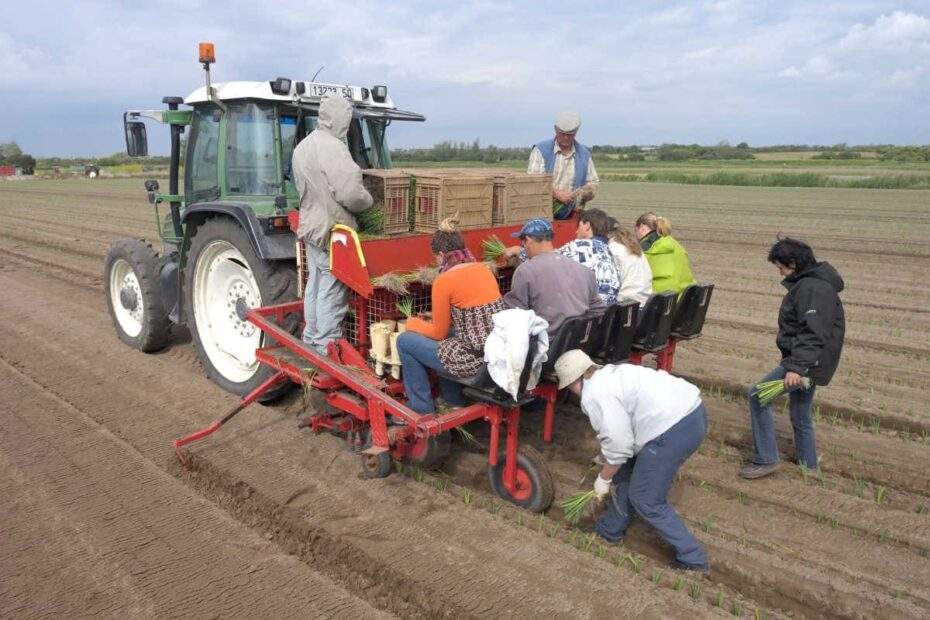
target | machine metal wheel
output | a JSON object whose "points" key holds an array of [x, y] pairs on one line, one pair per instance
{"points": [[534, 482], [224, 278], [376, 465], [133, 293], [431, 452]]}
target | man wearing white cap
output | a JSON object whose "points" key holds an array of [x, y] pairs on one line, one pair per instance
{"points": [[648, 423], [574, 179]]}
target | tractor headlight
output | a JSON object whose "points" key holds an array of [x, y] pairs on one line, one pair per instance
{"points": [[281, 86], [379, 93]]}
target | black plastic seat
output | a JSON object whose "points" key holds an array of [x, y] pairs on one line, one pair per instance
{"points": [[655, 322], [691, 311], [481, 387], [572, 334], [617, 333]]}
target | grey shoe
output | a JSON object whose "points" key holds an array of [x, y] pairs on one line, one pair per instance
{"points": [[754, 470]]}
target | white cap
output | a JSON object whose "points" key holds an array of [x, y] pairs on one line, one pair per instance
{"points": [[567, 122], [570, 366]]}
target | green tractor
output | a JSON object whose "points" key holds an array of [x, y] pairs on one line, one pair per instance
{"points": [[226, 243]]}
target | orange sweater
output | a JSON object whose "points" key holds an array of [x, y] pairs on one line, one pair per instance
{"points": [[462, 287]]}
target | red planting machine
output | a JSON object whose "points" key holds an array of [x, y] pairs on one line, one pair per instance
{"points": [[359, 403]]}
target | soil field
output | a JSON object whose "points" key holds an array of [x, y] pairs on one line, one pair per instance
{"points": [[97, 516]]}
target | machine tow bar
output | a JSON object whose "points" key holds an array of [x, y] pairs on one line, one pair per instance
{"points": [[247, 400]]}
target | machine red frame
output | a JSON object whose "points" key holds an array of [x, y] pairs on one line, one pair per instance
{"points": [[355, 393]]}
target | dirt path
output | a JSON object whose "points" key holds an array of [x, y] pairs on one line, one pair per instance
{"points": [[90, 526]]}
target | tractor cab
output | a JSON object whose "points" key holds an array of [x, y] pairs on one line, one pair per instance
{"points": [[240, 137]]}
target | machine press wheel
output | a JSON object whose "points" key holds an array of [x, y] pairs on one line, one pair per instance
{"points": [[534, 482], [376, 465]]}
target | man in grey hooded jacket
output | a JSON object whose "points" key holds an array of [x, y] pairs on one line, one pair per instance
{"points": [[331, 190]]}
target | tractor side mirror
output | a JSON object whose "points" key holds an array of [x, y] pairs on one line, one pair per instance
{"points": [[136, 141]]}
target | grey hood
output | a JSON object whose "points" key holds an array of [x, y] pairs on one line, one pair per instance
{"points": [[335, 115]]}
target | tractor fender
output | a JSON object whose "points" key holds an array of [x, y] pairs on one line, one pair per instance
{"points": [[268, 247], [277, 246]]}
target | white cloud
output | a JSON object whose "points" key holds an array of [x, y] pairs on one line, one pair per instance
{"points": [[899, 31]]}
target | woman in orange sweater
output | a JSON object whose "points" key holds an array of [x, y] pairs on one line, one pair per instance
{"points": [[465, 297]]}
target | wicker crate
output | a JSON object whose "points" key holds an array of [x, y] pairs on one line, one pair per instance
{"points": [[390, 190], [524, 197], [441, 196]]}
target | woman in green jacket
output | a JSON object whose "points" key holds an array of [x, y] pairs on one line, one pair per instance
{"points": [[671, 268]]}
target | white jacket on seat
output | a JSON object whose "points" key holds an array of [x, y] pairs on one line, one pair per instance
{"points": [[506, 348]]}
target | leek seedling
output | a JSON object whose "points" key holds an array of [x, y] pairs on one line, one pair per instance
{"points": [[468, 437], [405, 306], [694, 589], [737, 609], [574, 506], [881, 495], [370, 221], [768, 391], [391, 282], [492, 248], [656, 576], [719, 601], [679, 584]]}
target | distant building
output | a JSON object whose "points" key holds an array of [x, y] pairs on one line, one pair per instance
{"points": [[10, 171]]}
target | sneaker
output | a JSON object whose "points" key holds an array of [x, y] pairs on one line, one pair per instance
{"points": [[698, 568], [754, 470]]}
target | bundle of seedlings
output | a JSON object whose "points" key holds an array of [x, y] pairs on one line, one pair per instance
{"points": [[576, 505], [424, 275], [393, 282], [405, 306], [768, 391], [370, 221], [493, 249]]}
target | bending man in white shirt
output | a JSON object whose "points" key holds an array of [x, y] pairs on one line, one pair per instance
{"points": [[648, 423]]}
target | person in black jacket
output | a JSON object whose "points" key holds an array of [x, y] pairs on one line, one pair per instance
{"points": [[811, 327]]}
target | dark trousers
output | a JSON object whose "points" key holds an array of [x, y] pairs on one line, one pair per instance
{"points": [[643, 483]]}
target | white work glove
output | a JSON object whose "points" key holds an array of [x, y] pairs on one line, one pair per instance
{"points": [[601, 487]]}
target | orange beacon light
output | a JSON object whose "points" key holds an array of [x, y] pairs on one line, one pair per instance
{"points": [[207, 53]]}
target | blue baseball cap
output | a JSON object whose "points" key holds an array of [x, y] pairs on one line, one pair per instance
{"points": [[537, 227]]}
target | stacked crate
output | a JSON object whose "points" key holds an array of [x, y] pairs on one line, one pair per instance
{"points": [[390, 190], [439, 196], [519, 197]]}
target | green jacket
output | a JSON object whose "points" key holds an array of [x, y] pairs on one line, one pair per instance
{"points": [[671, 268]]}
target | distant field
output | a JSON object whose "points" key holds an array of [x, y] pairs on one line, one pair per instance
{"points": [[879, 240]]}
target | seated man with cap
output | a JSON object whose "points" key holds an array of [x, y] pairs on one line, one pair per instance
{"points": [[554, 286], [574, 179]]}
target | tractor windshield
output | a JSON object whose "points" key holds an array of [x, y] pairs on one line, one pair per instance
{"points": [[251, 163]]}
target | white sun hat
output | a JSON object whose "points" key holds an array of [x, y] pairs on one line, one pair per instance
{"points": [[570, 366]]}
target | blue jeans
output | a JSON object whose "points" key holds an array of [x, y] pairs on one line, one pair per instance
{"points": [[642, 484], [326, 300], [763, 424], [418, 354]]}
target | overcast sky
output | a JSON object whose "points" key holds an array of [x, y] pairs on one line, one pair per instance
{"points": [[643, 72]]}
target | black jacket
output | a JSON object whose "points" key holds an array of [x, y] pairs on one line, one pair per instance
{"points": [[811, 323]]}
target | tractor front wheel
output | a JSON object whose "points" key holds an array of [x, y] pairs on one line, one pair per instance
{"points": [[223, 280], [134, 300], [533, 481]]}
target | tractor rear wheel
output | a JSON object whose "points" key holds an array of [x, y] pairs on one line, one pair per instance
{"points": [[224, 279], [133, 293]]}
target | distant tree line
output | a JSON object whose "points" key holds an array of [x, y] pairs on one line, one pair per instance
{"points": [[116, 159], [12, 155], [450, 151]]}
